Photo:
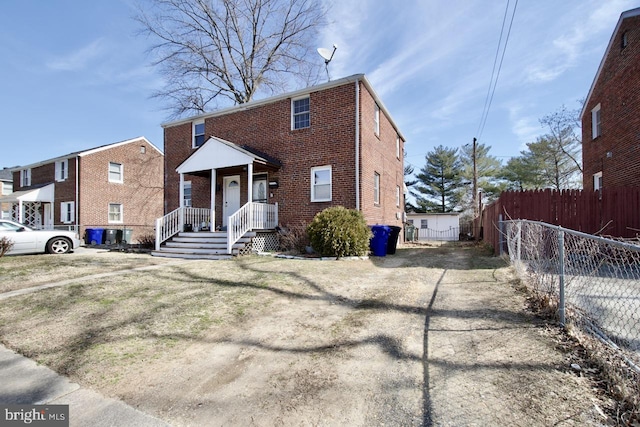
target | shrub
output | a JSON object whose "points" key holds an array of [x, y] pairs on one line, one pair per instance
{"points": [[339, 232], [294, 238], [5, 246]]}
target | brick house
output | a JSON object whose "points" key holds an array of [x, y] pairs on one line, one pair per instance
{"points": [[114, 186], [6, 188], [291, 155], [611, 113]]}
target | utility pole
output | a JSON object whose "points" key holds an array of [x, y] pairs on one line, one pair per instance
{"points": [[475, 181]]}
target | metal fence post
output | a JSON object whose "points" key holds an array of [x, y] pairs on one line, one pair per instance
{"points": [[519, 242], [501, 234], [561, 303]]}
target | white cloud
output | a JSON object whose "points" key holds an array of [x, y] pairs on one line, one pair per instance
{"points": [[78, 59]]}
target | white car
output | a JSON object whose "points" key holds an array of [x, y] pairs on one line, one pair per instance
{"points": [[26, 240]]}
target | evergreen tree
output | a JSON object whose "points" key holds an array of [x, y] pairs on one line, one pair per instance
{"points": [[437, 189]]}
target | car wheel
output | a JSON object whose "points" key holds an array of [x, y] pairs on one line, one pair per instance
{"points": [[59, 245]]}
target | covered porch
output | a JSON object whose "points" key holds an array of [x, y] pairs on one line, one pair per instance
{"points": [[33, 207], [237, 181]]}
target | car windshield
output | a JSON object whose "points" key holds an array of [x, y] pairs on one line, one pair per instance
{"points": [[12, 226]]}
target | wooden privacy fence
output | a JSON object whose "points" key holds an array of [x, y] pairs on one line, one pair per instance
{"points": [[609, 212]]}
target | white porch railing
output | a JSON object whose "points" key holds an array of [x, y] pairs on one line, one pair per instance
{"points": [[252, 216], [173, 222]]}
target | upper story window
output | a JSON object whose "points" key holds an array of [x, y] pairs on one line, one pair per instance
{"points": [[321, 184], [376, 119], [397, 195], [596, 129], [115, 172], [397, 147], [25, 178], [7, 188], [376, 188], [62, 170], [624, 40], [198, 133], [300, 113]]}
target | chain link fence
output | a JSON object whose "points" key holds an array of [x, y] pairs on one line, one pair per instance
{"points": [[592, 282]]}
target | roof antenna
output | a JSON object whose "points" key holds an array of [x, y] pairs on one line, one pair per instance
{"points": [[327, 55]]}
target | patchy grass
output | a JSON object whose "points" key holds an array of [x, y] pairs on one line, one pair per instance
{"points": [[25, 271]]}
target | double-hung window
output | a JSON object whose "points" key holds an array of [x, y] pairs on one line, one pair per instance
{"points": [[115, 172], [198, 133], [397, 195], [424, 224], [597, 181], [596, 129], [66, 212], [300, 113], [25, 178], [321, 184], [62, 170], [115, 213], [376, 188], [187, 194], [376, 118]]}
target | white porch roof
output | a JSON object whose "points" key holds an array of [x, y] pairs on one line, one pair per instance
{"points": [[42, 194], [218, 153]]}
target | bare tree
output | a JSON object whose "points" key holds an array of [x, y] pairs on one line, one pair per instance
{"points": [[564, 133], [208, 50]]}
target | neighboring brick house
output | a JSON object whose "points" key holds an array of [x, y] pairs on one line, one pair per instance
{"points": [[6, 188], [611, 113], [116, 186], [327, 145]]}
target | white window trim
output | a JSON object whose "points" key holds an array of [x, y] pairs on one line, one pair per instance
{"points": [[190, 199], [376, 119], [376, 188], [424, 224], [193, 132], [397, 147], [25, 177], [121, 213], [293, 115], [397, 195], [596, 125], [596, 181], [121, 173], [62, 165], [313, 170], [67, 210]]}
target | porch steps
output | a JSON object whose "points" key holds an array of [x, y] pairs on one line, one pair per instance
{"points": [[201, 245]]}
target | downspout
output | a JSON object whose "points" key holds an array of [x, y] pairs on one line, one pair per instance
{"points": [[77, 205], [357, 144]]}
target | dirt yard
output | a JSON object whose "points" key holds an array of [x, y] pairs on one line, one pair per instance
{"points": [[430, 336]]}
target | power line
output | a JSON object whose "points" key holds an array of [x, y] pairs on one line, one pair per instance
{"points": [[492, 83]]}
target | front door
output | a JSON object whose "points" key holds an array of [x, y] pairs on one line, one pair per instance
{"points": [[230, 197]]}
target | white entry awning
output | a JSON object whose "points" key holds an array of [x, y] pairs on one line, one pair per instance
{"points": [[42, 194], [218, 153]]}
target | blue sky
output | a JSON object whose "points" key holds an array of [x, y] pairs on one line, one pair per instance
{"points": [[73, 74]]}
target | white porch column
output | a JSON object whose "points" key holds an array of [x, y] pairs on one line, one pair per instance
{"points": [[250, 182], [20, 212], [182, 190], [213, 200]]}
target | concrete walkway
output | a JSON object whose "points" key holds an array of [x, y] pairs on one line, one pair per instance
{"points": [[24, 382]]}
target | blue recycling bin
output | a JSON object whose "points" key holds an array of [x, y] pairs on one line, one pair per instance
{"points": [[94, 236], [378, 242]]}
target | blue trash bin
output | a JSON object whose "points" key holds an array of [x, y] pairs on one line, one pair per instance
{"points": [[94, 236], [378, 242]]}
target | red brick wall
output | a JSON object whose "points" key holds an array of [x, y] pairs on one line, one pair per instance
{"points": [[140, 193], [616, 152], [330, 140], [378, 155]]}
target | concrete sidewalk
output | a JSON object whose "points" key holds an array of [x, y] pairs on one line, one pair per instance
{"points": [[24, 382]]}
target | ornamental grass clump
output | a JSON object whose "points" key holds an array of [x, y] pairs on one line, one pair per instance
{"points": [[339, 232]]}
